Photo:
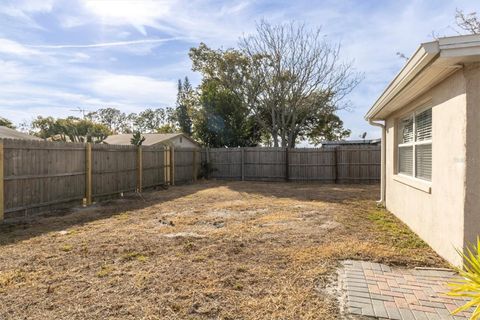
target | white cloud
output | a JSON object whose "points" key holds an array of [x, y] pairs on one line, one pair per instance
{"points": [[131, 89], [197, 20], [79, 57], [22, 9], [11, 47], [12, 71], [57, 76], [138, 14]]}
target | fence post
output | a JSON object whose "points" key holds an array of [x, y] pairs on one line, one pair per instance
{"points": [[139, 169], [336, 163], [88, 174], [172, 166], [287, 165], [194, 165], [243, 163], [2, 199], [207, 163], [166, 169]]}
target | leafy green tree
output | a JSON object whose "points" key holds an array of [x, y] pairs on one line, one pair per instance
{"points": [[289, 78], [137, 138], [318, 123], [46, 127], [327, 128], [6, 123], [167, 128], [302, 77], [222, 120], [71, 129], [149, 120], [224, 116], [114, 119], [185, 105]]}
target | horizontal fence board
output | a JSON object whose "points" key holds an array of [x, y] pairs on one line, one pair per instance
{"points": [[113, 169], [39, 174], [184, 166], [339, 164]]}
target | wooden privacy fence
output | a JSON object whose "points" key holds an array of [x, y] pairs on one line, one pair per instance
{"points": [[345, 164], [36, 174]]}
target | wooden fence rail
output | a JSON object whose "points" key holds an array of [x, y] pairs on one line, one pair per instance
{"points": [[39, 174], [345, 164]]}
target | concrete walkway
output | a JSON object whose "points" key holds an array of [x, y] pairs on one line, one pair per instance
{"points": [[376, 290]]}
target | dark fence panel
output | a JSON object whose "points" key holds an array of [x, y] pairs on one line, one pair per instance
{"points": [[344, 164], [38, 175], [187, 165]]}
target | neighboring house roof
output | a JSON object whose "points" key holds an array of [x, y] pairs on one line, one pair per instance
{"points": [[430, 64], [7, 133], [150, 138], [351, 142]]}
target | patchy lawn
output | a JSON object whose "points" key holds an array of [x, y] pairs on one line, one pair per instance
{"points": [[213, 250]]}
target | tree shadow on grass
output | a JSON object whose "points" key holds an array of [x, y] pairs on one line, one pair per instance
{"points": [[57, 220], [313, 191], [22, 228]]}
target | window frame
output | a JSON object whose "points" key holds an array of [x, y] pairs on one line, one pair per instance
{"points": [[413, 114]]}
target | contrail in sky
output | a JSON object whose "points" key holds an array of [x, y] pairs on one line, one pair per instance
{"points": [[104, 44]]}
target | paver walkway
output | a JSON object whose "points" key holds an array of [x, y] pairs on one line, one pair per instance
{"points": [[379, 291]]}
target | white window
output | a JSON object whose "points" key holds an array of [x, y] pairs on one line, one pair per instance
{"points": [[415, 145]]}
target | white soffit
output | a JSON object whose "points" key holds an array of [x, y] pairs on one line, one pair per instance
{"points": [[430, 64]]}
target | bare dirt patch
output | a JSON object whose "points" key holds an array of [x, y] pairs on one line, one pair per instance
{"points": [[213, 250]]}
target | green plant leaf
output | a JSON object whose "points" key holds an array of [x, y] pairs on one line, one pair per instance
{"points": [[469, 285]]}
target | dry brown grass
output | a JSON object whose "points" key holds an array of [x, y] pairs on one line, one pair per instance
{"points": [[207, 251]]}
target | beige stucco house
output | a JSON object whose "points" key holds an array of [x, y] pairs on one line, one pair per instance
{"points": [[430, 119], [177, 140]]}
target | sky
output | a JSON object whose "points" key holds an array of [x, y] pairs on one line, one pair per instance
{"points": [[60, 55]]}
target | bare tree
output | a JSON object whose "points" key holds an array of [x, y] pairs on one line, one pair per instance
{"points": [[469, 22], [302, 78]]}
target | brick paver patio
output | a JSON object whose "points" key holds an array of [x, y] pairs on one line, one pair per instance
{"points": [[376, 290]]}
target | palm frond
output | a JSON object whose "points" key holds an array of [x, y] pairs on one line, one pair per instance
{"points": [[469, 285]]}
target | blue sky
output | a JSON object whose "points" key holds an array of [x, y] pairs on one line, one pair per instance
{"points": [[56, 55]]}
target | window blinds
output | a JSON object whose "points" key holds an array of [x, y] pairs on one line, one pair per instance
{"points": [[423, 161], [423, 124], [406, 130], [415, 145]]}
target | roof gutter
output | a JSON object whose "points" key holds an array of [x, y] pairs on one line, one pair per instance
{"points": [[383, 175]]}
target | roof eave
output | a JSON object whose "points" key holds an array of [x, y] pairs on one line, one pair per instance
{"points": [[423, 57], [429, 65]]}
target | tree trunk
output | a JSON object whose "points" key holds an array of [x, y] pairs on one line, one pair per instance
{"points": [[284, 138], [275, 139], [293, 139]]}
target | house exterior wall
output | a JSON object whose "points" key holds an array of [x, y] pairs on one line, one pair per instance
{"points": [[436, 215], [182, 142], [472, 180]]}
